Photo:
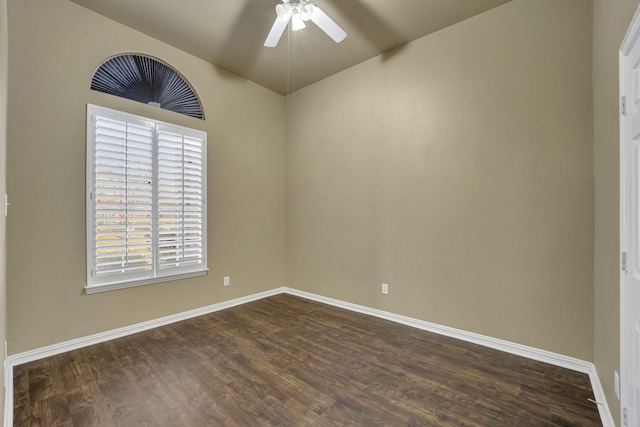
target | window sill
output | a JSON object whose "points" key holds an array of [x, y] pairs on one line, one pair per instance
{"points": [[131, 284]]}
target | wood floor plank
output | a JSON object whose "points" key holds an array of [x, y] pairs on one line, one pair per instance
{"points": [[287, 361]]}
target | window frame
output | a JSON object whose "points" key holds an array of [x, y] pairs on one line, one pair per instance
{"points": [[156, 274]]}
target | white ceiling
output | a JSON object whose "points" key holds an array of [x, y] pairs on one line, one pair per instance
{"points": [[231, 33]]}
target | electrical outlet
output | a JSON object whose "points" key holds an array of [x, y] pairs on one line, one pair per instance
{"points": [[385, 289], [226, 281], [616, 383]]}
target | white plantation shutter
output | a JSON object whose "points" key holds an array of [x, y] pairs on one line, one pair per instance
{"points": [[180, 199], [123, 211], [146, 215]]}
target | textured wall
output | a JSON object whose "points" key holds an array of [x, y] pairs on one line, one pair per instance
{"points": [[54, 47], [459, 170], [3, 125], [610, 22]]}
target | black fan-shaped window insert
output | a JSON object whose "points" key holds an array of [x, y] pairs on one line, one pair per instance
{"points": [[145, 79]]}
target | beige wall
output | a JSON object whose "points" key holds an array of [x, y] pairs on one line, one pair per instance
{"points": [[54, 47], [610, 22], [459, 170], [3, 135]]}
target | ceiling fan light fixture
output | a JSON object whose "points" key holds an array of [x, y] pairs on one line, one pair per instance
{"points": [[296, 22], [284, 11], [306, 12]]}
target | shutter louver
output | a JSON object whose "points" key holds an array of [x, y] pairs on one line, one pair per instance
{"points": [[180, 200], [123, 197]]}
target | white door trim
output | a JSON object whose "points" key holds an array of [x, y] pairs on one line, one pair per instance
{"points": [[633, 32]]}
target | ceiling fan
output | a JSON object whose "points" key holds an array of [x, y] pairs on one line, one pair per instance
{"points": [[299, 11]]}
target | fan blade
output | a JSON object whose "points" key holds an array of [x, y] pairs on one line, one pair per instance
{"points": [[276, 32], [327, 24]]}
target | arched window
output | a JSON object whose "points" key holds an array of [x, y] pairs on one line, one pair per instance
{"points": [[148, 80]]}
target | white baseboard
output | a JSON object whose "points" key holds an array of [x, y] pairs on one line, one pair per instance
{"points": [[8, 394], [52, 350], [601, 399], [8, 390], [506, 346], [497, 344]]}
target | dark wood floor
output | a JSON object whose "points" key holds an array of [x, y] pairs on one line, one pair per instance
{"points": [[286, 361]]}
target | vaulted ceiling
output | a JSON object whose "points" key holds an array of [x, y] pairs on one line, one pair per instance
{"points": [[231, 33]]}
